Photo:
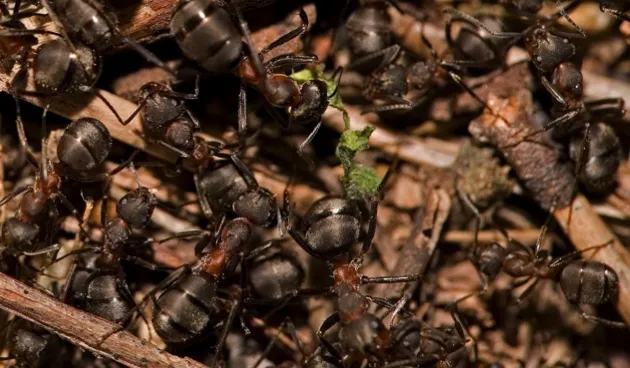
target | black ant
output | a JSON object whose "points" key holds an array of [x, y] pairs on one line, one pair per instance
{"points": [[201, 25], [582, 281], [188, 306], [330, 229], [547, 47], [392, 82]]}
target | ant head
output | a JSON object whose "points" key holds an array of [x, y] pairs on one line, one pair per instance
{"points": [[567, 77], [259, 206], [240, 230], [18, 234], [547, 50], [313, 104], [136, 207], [392, 81], [180, 134]]}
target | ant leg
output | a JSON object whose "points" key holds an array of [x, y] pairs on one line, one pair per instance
{"points": [[300, 30], [460, 82], [145, 53], [527, 291], [146, 264], [277, 116], [257, 63], [98, 94], [462, 329], [14, 32], [459, 15], [603, 321], [242, 169], [562, 261], [387, 55], [284, 61], [561, 120], [203, 200], [287, 325], [413, 362], [563, 12], [389, 279], [22, 134], [289, 296], [404, 105], [173, 148], [16, 192], [188, 96], [614, 12], [39, 252], [236, 307], [553, 91], [242, 112], [307, 141], [328, 323], [261, 249]]}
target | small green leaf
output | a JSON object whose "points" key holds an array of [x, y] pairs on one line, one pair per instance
{"points": [[358, 181], [304, 75], [361, 182]]}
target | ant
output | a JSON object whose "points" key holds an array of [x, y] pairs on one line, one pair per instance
{"points": [[368, 33], [582, 281], [331, 228], [204, 25], [547, 47], [188, 306], [392, 82], [617, 8]]}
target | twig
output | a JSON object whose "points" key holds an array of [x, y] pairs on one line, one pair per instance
{"points": [[527, 236], [83, 329], [414, 257], [430, 152]]}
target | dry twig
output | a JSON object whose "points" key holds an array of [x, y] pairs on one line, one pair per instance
{"points": [[83, 329]]}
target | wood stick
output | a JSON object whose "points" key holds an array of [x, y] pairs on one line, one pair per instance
{"points": [[83, 329]]}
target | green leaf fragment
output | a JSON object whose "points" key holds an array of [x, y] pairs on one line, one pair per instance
{"points": [[358, 181]]}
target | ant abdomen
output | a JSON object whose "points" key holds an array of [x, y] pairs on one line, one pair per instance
{"points": [[85, 22], [589, 282], [206, 34], [272, 277], [56, 69], [369, 29], [84, 145], [105, 298], [603, 157], [332, 226], [186, 310]]}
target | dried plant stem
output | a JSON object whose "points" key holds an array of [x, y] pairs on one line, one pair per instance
{"points": [[83, 329], [527, 236], [587, 229]]}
